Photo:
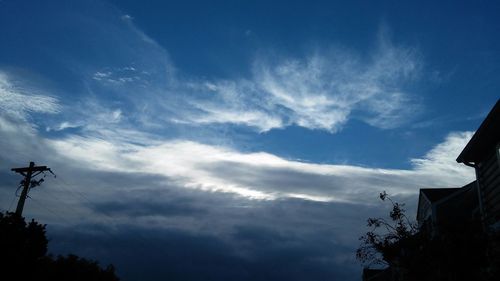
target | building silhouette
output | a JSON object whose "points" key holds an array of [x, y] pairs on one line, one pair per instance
{"points": [[446, 212], [482, 153]]}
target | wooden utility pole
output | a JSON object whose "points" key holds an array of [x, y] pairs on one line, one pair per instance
{"points": [[28, 173]]}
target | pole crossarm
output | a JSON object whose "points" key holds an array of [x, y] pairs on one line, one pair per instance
{"points": [[28, 173], [34, 169]]}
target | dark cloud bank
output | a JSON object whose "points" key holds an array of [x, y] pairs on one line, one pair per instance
{"points": [[172, 233]]}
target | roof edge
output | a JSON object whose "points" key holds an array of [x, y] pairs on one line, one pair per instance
{"points": [[464, 155]]}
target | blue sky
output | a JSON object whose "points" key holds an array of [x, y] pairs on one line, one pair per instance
{"points": [[198, 120]]}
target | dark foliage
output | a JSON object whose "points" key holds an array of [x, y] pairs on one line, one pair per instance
{"points": [[23, 255], [21, 244], [381, 245], [73, 268], [456, 252]]}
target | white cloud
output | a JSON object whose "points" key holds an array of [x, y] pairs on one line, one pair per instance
{"points": [[63, 126], [18, 102], [321, 91], [441, 159], [127, 17], [266, 176], [101, 75], [118, 76]]}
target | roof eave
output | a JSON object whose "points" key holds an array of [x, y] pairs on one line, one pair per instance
{"points": [[472, 152]]}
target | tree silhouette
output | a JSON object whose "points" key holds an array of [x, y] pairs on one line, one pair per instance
{"points": [[23, 255], [381, 245], [458, 252], [22, 245]]}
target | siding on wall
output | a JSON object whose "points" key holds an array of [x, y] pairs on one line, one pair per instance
{"points": [[488, 174]]}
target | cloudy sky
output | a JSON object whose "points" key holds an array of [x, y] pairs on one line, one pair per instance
{"points": [[237, 140]]}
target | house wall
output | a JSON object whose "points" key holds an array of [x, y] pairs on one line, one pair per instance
{"points": [[424, 210], [459, 209], [488, 176]]}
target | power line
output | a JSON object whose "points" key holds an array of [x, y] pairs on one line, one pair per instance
{"points": [[13, 198]]}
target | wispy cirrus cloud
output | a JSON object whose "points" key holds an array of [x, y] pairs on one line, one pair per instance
{"points": [[18, 102], [438, 160], [322, 90]]}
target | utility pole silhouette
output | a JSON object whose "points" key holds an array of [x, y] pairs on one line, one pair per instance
{"points": [[28, 173]]}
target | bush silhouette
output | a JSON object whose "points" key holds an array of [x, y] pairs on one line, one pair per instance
{"points": [[23, 255]]}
